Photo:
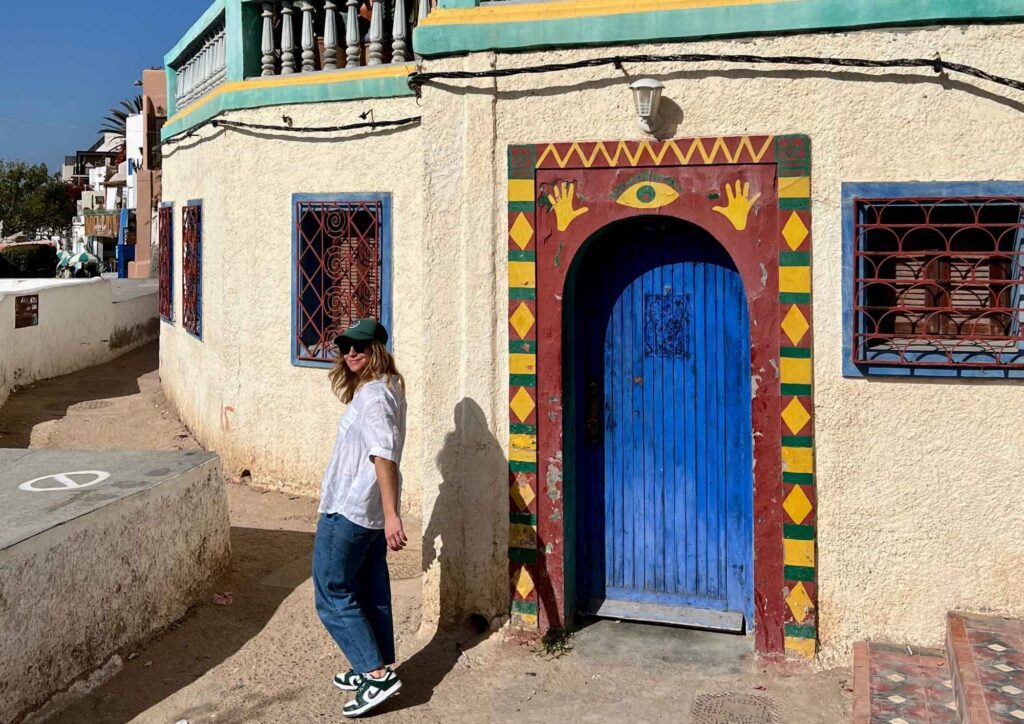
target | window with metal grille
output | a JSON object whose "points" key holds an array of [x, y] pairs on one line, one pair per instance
{"points": [[192, 268], [938, 282], [166, 246], [341, 272]]}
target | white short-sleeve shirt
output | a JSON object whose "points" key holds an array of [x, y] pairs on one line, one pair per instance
{"points": [[373, 424]]}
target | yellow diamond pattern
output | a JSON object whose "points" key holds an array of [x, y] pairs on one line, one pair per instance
{"points": [[521, 231], [522, 495], [522, 404], [795, 416], [524, 583], [795, 325], [797, 505], [795, 231], [522, 320], [799, 602]]}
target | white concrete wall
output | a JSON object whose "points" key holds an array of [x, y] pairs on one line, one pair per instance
{"points": [[82, 322], [914, 478]]}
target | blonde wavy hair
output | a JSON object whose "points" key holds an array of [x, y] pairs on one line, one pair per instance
{"points": [[380, 363]]}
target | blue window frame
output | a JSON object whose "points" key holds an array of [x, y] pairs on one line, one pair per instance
{"points": [[341, 269], [933, 284]]}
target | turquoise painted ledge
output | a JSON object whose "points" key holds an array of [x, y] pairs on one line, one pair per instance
{"points": [[517, 26], [198, 28], [255, 93]]}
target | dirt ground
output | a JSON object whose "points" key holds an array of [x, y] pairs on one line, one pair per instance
{"points": [[264, 657]]}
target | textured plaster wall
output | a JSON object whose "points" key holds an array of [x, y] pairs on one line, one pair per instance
{"points": [[914, 479], [82, 590], [237, 388], [81, 323]]}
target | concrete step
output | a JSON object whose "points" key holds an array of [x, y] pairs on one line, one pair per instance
{"points": [[986, 656], [899, 685]]}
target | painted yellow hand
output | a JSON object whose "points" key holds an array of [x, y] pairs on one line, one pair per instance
{"points": [[562, 198], [738, 207]]}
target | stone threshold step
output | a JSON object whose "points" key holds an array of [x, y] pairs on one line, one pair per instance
{"points": [[986, 655], [899, 685]]}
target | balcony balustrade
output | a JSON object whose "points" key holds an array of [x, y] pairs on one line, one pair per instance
{"points": [[205, 68]]}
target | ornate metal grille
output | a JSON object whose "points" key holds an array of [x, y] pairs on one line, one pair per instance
{"points": [[166, 219], [939, 282], [192, 278], [338, 272]]}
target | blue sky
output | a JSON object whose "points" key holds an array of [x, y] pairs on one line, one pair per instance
{"points": [[64, 63]]}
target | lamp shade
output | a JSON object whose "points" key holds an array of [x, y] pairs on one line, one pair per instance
{"points": [[647, 97]]}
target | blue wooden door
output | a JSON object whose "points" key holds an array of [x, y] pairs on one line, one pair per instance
{"points": [[664, 478]]}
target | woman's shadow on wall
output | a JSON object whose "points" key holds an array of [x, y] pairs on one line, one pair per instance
{"points": [[470, 518]]}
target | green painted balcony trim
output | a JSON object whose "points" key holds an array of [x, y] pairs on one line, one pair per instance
{"points": [[571, 23], [381, 81]]}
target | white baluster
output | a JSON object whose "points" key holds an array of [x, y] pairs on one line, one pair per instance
{"points": [[398, 30], [267, 43], [376, 52], [352, 39], [330, 59], [287, 39], [423, 11], [308, 56]]}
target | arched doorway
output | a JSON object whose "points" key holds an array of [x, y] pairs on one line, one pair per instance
{"points": [[657, 361]]}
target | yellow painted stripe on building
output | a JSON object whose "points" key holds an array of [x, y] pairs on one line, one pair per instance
{"points": [[334, 76], [520, 189], [798, 553], [523, 456], [498, 13], [795, 279], [522, 364], [798, 459], [522, 275], [800, 647], [523, 442], [796, 371], [795, 187]]}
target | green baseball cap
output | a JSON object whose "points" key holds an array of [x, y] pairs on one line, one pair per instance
{"points": [[364, 330]]}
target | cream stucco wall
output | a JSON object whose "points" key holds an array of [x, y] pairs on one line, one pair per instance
{"points": [[917, 481]]}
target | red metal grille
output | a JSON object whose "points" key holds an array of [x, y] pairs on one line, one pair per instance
{"points": [[191, 277], [939, 282], [337, 272], [166, 218]]}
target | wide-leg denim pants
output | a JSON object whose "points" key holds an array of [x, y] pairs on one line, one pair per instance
{"points": [[353, 591]]}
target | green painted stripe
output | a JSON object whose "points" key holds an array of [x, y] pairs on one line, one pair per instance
{"points": [[800, 630], [794, 298], [516, 255], [440, 38], [522, 555], [518, 466], [522, 345], [524, 607], [796, 352], [522, 518], [795, 258], [798, 478], [789, 169], [797, 441], [514, 206], [522, 293], [798, 573], [519, 428], [798, 532], [795, 204], [796, 390], [523, 380]]}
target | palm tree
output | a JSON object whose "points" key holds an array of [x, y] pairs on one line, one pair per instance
{"points": [[115, 122]]}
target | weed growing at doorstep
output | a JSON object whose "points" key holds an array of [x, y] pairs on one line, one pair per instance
{"points": [[555, 644]]}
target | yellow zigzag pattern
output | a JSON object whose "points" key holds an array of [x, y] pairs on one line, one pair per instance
{"points": [[683, 158]]}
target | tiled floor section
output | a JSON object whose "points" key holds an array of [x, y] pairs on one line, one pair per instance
{"points": [[995, 663], [894, 687]]}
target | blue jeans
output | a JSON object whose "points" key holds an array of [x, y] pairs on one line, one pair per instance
{"points": [[352, 590]]}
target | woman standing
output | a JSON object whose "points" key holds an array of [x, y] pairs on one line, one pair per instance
{"points": [[360, 499]]}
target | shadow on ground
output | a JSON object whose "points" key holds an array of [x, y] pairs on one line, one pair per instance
{"points": [[50, 399], [267, 565]]}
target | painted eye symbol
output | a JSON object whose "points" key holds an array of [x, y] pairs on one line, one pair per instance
{"points": [[648, 195]]}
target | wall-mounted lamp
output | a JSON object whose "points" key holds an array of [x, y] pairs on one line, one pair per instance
{"points": [[647, 97]]}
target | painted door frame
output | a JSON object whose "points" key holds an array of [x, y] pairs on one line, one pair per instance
{"points": [[772, 252]]}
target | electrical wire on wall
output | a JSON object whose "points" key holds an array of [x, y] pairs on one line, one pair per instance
{"points": [[289, 127]]}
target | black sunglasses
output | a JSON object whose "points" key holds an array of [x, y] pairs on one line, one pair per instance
{"points": [[359, 346]]}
